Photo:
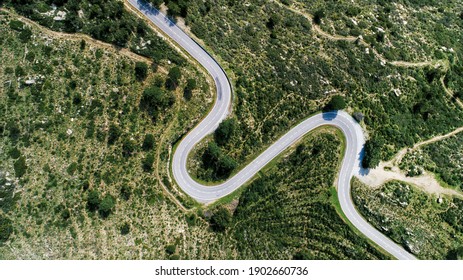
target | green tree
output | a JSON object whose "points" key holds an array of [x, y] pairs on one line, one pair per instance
{"points": [[170, 249], [188, 91], [303, 255], [337, 102], [6, 229], [372, 155], [225, 166], [156, 3], [225, 131], [141, 70], [113, 134], [14, 153], [317, 17], [106, 206], [455, 254], [83, 44], [154, 99], [126, 192], [25, 35], [220, 220], [93, 200], [20, 166], [125, 228], [211, 155], [148, 162], [128, 147], [148, 142], [173, 78]]}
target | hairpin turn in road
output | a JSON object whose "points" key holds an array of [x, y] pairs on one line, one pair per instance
{"points": [[352, 131]]}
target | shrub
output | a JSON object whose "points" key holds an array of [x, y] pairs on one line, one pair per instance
{"points": [[337, 102], [141, 70], [72, 168], [16, 25], [220, 220], [317, 17], [113, 134], [6, 229], [128, 147], [125, 229], [25, 35], [106, 206], [225, 131], [148, 142], [372, 155], [188, 91], [15, 153], [93, 200], [173, 78], [303, 255], [19, 71], [154, 99], [170, 249], [126, 192], [148, 162], [20, 167]]}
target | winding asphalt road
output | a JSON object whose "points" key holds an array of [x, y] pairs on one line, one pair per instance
{"points": [[204, 194]]}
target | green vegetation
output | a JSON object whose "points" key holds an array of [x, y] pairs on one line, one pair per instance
{"points": [[173, 78], [148, 142], [75, 135], [444, 158], [154, 99], [428, 227], [287, 212], [372, 153], [217, 165], [148, 162], [225, 131], [125, 229], [105, 20], [20, 167], [106, 206], [6, 229], [93, 200], [304, 70], [337, 102], [170, 249], [188, 90], [141, 70], [220, 219]]}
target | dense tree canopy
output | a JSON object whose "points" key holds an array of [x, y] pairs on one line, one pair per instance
{"points": [[372, 155], [337, 102], [225, 131], [220, 220], [221, 164]]}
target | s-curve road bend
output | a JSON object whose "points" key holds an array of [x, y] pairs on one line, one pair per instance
{"points": [[343, 121]]}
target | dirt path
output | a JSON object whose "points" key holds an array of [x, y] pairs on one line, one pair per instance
{"points": [[450, 93], [399, 156], [209, 81], [78, 37], [387, 171], [297, 8]]}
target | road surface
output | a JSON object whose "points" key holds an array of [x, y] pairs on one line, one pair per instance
{"points": [[204, 194]]}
